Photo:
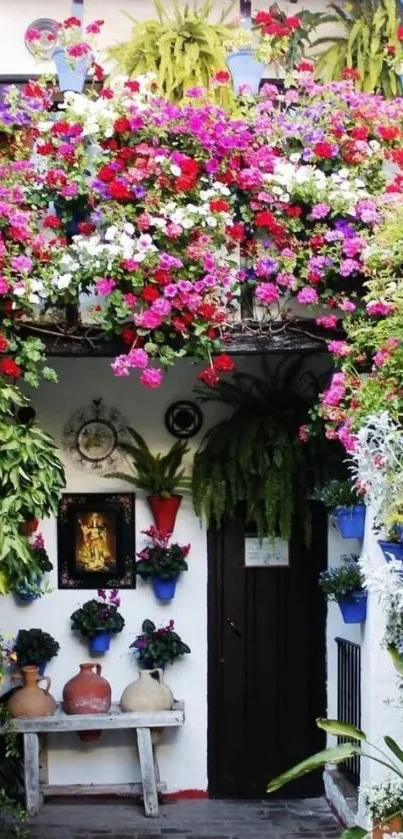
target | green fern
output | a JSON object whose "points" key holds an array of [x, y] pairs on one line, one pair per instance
{"points": [[158, 474]]}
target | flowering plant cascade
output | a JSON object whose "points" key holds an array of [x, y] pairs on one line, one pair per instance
{"points": [[269, 35], [71, 38], [161, 559]]}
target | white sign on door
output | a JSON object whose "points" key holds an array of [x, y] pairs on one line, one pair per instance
{"points": [[266, 554]]}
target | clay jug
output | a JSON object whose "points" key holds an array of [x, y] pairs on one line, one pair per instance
{"points": [[148, 693], [393, 825], [31, 700], [87, 693]]}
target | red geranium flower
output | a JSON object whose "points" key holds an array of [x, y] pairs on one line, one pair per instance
{"points": [[128, 335], [218, 205], [3, 342], [119, 191], [149, 293], [209, 377], [223, 363], [305, 67], [133, 86], [388, 132], [8, 367], [400, 33], [121, 125], [324, 150], [70, 22], [351, 73], [236, 231]]}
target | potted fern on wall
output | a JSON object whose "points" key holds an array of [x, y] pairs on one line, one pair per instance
{"points": [[159, 475], [184, 49]]}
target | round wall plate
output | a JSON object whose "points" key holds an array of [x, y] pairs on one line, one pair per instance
{"points": [[92, 436], [183, 419], [46, 44]]}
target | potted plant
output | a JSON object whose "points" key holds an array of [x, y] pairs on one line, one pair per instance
{"points": [[31, 588], [345, 585], [184, 50], [162, 563], [250, 47], [343, 501], [392, 545], [98, 619], [73, 51], [155, 648], [384, 804], [160, 475], [34, 648]]}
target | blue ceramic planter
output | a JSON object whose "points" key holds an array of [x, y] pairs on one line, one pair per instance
{"points": [[245, 70], [351, 521], [25, 592], [99, 643], [42, 668], [164, 590], [354, 607], [71, 75], [391, 550]]}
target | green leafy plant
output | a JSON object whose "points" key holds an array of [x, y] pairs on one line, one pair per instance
{"points": [[161, 559], [158, 647], [338, 494], [369, 45], [33, 647], [257, 456], [11, 779], [338, 583], [183, 49], [301, 38], [358, 746], [384, 800], [157, 474], [98, 616]]}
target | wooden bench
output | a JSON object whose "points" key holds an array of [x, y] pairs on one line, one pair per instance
{"points": [[115, 720]]}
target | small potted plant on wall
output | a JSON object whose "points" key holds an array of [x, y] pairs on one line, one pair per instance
{"points": [[34, 648], [31, 586], [345, 505], [162, 563], [384, 804], [345, 585], [159, 475], [392, 545], [153, 650], [98, 619]]}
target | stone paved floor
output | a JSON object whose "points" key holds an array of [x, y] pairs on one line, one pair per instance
{"points": [[106, 819]]}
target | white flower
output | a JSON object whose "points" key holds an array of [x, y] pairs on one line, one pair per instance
{"points": [[176, 170], [62, 281]]}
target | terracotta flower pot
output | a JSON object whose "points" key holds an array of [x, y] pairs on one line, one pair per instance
{"points": [[28, 527], [87, 693], [164, 511], [31, 700], [393, 825]]}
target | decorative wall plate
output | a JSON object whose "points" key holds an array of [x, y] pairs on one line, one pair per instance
{"points": [[46, 44], [92, 436], [183, 419]]}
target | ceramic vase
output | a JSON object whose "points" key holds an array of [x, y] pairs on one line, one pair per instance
{"points": [[164, 511], [147, 693], [31, 700], [87, 693], [393, 825]]}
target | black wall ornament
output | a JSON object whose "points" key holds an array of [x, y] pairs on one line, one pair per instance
{"points": [[92, 436], [183, 419]]}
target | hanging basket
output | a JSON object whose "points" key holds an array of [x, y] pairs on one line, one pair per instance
{"points": [[71, 75], [354, 607], [391, 550], [245, 70], [99, 643], [164, 511], [351, 521], [164, 590]]}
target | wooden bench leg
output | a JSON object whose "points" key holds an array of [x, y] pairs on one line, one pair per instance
{"points": [[31, 774], [147, 772]]}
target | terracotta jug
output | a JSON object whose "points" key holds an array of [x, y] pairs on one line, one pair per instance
{"points": [[87, 693], [31, 700], [393, 825], [148, 693]]}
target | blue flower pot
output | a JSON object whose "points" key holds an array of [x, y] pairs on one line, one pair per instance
{"points": [[99, 643], [245, 70], [71, 75], [391, 550], [164, 590], [42, 668], [25, 592], [354, 607], [351, 521]]}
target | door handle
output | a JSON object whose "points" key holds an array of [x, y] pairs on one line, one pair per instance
{"points": [[233, 627]]}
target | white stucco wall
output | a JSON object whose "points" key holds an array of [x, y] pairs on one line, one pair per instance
{"points": [[182, 753], [17, 15]]}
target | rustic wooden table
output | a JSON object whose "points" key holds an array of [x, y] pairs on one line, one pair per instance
{"points": [[115, 720]]}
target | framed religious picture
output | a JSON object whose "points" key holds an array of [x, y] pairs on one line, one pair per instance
{"points": [[96, 541]]}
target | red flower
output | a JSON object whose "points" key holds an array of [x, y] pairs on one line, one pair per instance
{"points": [[161, 276], [361, 132], [106, 173], [400, 33], [305, 67], [351, 73], [218, 205], [293, 211], [236, 231], [8, 367], [223, 363], [128, 335], [388, 132], [70, 22], [221, 77], [106, 93], [209, 377], [98, 72], [265, 219], [293, 22], [119, 191], [51, 222], [324, 150], [45, 149], [390, 49], [133, 86], [122, 125], [149, 293], [206, 311], [86, 228], [3, 343]]}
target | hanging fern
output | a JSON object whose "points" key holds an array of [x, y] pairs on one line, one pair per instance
{"points": [[256, 457]]}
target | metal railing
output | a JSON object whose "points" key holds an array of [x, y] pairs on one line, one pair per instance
{"points": [[349, 698]]}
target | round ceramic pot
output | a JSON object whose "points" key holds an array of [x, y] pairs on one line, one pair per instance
{"points": [[354, 607], [87, 693], [351, 521], [147, 693], [164, 511], [164, 590], [99, 643], [31, 700], [245, 70]]}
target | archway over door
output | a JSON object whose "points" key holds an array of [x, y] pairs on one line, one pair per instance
{"points": [[267, 667]]}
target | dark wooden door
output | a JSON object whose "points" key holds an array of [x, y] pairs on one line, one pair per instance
{"points": [[266, 663]]}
